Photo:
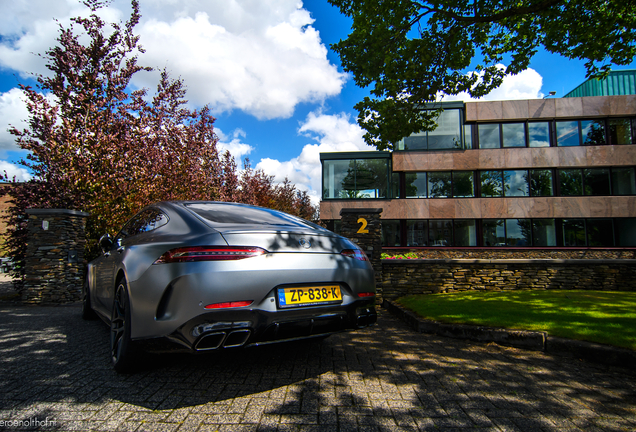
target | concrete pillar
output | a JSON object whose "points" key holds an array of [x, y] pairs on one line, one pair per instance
{"points": [[363, 226], [54, 261]]}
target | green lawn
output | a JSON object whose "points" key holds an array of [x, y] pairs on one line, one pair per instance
{"points": [[607, 317]]}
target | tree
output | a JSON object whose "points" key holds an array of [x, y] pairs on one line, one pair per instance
{"points": [[258, 188], [411, 51], [94, 145]]}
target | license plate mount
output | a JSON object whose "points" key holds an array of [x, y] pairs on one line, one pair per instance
{"points": [[317, 295]]}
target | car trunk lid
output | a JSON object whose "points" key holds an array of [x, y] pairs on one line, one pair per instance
{"points": [[286, 241]]}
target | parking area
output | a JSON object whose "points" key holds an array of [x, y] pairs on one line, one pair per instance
{"points": [[55, 375]]}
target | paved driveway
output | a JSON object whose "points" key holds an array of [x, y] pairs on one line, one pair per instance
{"points": [[55, 374]]}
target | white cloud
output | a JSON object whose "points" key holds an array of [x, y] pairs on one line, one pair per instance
{"points": [[21, 174], [13, 112], [259, 56], [524, 85], [332, 133], [265, 70], [29, 28], [233, 143]]}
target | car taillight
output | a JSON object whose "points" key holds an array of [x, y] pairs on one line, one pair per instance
{"points": [[225, 305], [355, 253], [209, 253], [366, 294]]}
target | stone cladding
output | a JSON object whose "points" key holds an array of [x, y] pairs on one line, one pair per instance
{"points": [[54, 260], [364, 228], [526, 253], [431, 276]]}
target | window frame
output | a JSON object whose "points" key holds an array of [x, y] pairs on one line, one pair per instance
{"points": [[327, 158]]}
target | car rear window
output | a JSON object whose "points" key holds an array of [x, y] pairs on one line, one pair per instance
{"points": [[231, 214]]}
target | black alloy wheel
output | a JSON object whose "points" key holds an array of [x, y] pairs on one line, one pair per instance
{"points": [[122, 348]]}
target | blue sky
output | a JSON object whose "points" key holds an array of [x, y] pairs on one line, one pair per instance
{"points": [[264, 66]]}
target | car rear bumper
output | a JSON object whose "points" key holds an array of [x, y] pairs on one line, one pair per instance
{"points": [[250, 327], [167, 296]]}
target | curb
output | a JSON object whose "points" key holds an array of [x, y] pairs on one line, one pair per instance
{"points": [[530, 340]]}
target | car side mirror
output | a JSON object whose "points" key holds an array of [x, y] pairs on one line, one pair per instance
{"points": [[105, 243]]}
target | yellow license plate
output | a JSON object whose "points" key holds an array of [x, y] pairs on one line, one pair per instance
{"points": [[307, 296]]}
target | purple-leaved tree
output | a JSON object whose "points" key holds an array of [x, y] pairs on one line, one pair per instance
{"points": [[94, 145]]}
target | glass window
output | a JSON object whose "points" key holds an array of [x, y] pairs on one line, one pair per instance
{"points": [[465, 233], [600, 232], [371, 178], [597, 181], [620, 131], [539, 134], [355, 178], [334, 173], [440, 232], [626, 230], [468, 136], [593, 132], [416, 233], [156, 220], [439, 185], [514, 134], [463, 184], [518, 232], [415, 185], [541, 183], [516, 183], [491, 184], [494, 232], [488, 136], [416, 141], [573, 232], [395, 185], [144, 221], [570, 182], [623, 181], [447, 134], [543, 232], [228, 214], [391, 233], [567, 133]]}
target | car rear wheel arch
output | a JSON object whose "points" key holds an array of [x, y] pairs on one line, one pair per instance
{"points": [[124, 351], [87, 310]]}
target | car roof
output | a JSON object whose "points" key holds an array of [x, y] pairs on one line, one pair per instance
{"points": [[225, 216]]}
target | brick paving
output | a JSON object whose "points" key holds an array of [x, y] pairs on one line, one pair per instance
{"points": [[7, 291], [54, 368]]}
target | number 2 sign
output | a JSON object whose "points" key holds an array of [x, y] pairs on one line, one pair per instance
{"points": [[363, 228]]}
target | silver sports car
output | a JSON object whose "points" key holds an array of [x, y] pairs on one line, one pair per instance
{"points": [[212, 275]]}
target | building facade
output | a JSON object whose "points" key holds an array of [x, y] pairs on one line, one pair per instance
{"points": [[547, 173], [621, 82]]}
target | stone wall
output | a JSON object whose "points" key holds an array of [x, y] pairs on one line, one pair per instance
{"points": [[364, 228], [517, 253], [54, 260], [428, 276]]}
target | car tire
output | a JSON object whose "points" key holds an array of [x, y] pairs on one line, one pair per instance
{"points": [[122, 349], [87, 311]]}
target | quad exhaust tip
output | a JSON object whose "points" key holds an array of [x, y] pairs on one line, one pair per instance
{"points": [[218, 340]]}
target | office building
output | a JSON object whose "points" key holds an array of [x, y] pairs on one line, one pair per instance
{"points": [[546, 173]]}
